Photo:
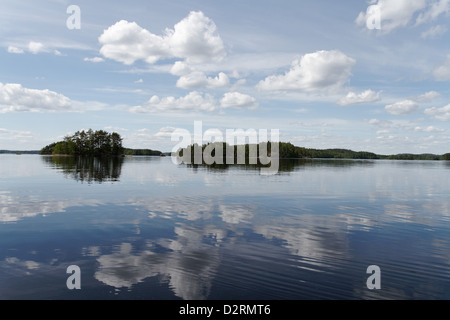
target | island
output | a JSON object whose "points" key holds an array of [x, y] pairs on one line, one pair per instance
{"points": [[286, 150], [94, 143]]}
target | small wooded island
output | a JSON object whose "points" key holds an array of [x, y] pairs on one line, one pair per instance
{"points": [[94, 143]]}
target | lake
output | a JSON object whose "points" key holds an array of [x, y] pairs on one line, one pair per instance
{"points": [[145, 228]]}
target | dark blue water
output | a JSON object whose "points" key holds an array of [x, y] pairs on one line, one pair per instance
{"points": [[144, 228]]}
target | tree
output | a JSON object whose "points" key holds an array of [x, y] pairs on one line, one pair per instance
{"points": [[93, 143]]}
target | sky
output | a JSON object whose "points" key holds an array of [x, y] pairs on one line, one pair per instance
{"points": [[360, 75]]}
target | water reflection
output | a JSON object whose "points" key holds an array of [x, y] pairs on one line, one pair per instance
{"points": [[14, 207], [289, 165], [184, 261], [87, 169], [164, 231]]}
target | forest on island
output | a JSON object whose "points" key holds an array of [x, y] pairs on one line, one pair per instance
{"points": [[91, 143]]}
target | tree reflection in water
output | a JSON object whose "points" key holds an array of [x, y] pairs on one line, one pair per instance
{"points": [[87, 169]]}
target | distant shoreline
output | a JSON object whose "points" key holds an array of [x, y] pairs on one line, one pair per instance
{"points": [[405, 156]]}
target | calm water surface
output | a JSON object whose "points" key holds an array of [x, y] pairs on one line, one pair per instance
{"points": [[144, 228]]}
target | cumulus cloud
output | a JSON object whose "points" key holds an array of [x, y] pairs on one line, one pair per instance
{"points": [[193, 79], [314, 72], [194, 101], [36, 47], [442, 73], [401, 13], [238, 100], [180, 68], [411, 105], [198, 79], [393, 14], [428, 96], [442, 114], [356, 98], [15, 98], [12, 49], [194, 39], [402, 107]]}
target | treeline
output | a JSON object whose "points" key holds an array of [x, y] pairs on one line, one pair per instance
{"points": [[92, 143], [425, 156], [289, 151], [142, 152], [286, 150], [19, 152]]}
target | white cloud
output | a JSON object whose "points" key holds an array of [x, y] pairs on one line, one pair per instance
{"points": [[14, 135], [194, 39], [434, 32], [94, 59], [194, 101], [442, 73], [363, 97], [165, 132], [428, 129], [314, 72], [194, 79], [115, 129], [15, 98], [394, 14], [12, 49], [238, 100], [428, 97], [36, 47], [127, 42], [434, 11], [198, 79], [402, 108], [401, 13], [180, 68], [442, 114]]}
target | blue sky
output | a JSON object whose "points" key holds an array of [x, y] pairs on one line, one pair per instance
{"points": [[312, 69]]}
